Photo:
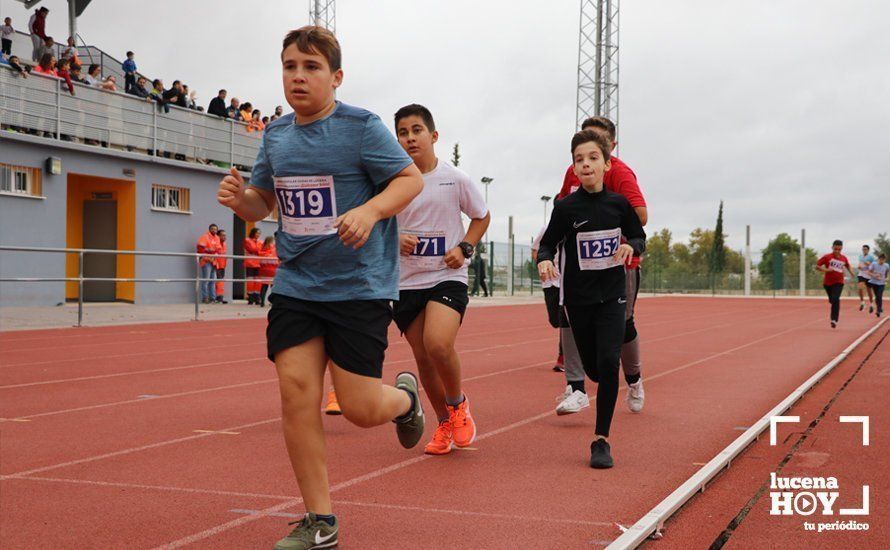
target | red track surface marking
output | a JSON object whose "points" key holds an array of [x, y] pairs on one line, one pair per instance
{"points": [[732, 359]]}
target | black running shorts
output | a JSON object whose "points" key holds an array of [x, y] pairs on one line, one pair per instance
{"points": [[354, 332], [411, 302], [863, 279]]}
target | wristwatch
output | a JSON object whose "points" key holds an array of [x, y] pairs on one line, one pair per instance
{"points": [[467, 249]]}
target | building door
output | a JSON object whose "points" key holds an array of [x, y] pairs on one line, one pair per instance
{"points": [[100, 232]]}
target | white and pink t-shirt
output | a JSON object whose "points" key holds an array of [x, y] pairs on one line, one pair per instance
{"points": [[435, 218]]}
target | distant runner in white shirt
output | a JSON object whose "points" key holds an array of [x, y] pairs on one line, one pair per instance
{"points": [[435, 251], [865, 260]]}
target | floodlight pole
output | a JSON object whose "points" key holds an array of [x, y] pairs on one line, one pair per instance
{"points": [[747, 260], [597, 90], [803, 262], [545, 199]]}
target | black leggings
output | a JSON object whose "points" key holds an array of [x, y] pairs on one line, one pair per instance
{"points": [[879, 296], [599, 332], [834, 296]]}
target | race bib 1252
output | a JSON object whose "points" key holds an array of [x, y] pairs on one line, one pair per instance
{"points": [[596, 249], [307, 204]]}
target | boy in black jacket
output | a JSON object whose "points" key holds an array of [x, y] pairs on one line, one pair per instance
{"points": [[601, 233]]}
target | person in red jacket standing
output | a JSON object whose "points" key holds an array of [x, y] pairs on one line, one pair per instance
{"points": [[252, 247], [220, 265], [208, 244], [833, 265], [37, 28], [622, 180], [268, 266]]}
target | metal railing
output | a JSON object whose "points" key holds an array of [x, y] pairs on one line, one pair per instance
{"points": [[22, 46], [80, 279], [43, 105]]}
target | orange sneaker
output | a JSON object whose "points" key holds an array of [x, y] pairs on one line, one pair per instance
{"points": [[333, 407], [442, 440], [463, 424]]}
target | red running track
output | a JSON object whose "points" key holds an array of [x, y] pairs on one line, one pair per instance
{"points": [[168, 435]]}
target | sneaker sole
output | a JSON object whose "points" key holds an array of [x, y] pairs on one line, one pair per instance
{"points": [[438, 453], [564, 412]]}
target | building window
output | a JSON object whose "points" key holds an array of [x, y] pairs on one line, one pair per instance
{"points": [[165, 197], [20, 180]]}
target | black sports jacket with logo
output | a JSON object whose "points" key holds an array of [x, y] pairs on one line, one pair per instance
{"points": [[597, 217]]}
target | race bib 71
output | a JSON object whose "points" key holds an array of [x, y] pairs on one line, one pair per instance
{"points": [[596, 249], [307, 204]]}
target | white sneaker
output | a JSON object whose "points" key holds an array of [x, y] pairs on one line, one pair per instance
{"points": [[573, 403], [635, 396], [566, 393]]}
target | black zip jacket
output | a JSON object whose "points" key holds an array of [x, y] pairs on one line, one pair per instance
{"points": [[584, 212]]}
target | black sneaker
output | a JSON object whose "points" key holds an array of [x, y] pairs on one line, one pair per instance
{"points": [[409, 427], [834, 324], [861, 306], [600, 455], [310, 533]]}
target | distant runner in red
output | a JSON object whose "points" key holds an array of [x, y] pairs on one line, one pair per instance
{"points": [[622, 180], [833, 265]]}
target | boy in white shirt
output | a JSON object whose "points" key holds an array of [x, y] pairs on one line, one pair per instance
{"points": [[6, 33], [435, 251]]}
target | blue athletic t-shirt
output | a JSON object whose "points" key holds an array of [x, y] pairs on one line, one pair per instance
{"points": [[318, 172], [878, 273]]}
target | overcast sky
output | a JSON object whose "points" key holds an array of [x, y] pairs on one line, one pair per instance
{"points": [[781, 109]]}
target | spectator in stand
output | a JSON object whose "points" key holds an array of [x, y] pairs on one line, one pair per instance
{"points": [[37, 28], [277, 114], [157, 94], [75, 74], [63, 73], [47, 65], [139, 89], [252, 247], [234, 110], [6, 34], [193, 100], [16, 65], [49, 46], [268, 266], [218, 105], [256, 123], [246, 109], [174, 95], [93, 76], [265, 121], [129, 68], [208, 244], [70, 53], [220, 265], [109, 83]]}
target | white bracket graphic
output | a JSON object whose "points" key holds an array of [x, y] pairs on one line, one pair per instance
{"points": [[773, 420], [862, 420], [860, 511]]}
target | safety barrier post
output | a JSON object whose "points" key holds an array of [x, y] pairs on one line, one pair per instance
{"points": [[154, 129], [197, 287], [80, 289], [58, 112], [232, 142]]}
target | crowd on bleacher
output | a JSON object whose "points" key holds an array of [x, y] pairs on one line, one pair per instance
{"points": [[68, 67]]}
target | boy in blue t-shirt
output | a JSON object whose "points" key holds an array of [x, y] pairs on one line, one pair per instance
{"points": [[338, 178]]}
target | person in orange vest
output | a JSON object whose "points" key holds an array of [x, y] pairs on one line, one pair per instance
{"points": [[208, 244], [252, 247], [220, 265], [268, 266]]}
